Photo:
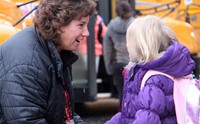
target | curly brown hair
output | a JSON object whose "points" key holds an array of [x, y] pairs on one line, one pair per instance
{"points": [[53, 14]]}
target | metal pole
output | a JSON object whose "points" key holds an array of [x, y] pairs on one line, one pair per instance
{"points": [[92, 85], [24, 16]]}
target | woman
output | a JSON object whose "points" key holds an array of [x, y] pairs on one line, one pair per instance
{"points": [[151, 46], [36, 64], [114, 44]]}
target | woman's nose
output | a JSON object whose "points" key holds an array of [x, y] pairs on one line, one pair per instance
{"points": [[86, 33]]}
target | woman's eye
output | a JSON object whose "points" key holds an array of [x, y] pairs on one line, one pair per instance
{"points": [[81, 25]]}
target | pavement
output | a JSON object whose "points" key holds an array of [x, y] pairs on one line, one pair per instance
{"points": [[98, 112]]}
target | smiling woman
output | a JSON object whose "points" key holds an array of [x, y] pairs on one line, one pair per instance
{"points": [[36, 81], [71, 42]]}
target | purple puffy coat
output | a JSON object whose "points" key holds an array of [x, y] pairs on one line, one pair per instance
{"points": [[153, 104]]}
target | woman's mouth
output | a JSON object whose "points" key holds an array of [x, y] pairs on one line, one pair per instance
{"points": [[78, 41]]}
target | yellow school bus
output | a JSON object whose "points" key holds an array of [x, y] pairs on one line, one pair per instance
{"points": [[8, 14], [12, 18]]}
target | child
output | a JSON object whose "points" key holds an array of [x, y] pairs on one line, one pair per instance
{"points": [[151, 46]]}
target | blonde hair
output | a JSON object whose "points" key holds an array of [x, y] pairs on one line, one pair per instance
{"points": [[146, 37]]}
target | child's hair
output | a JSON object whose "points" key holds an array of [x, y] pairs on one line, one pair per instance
{"points": [[146, 37]]}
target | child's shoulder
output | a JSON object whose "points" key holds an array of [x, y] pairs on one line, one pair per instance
{"points": [[129, 70]]}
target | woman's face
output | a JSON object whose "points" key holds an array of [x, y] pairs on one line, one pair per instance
{"points": [[72, 34]]}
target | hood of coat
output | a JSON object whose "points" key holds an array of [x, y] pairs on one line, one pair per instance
{"points": [[176, 61], [119, 25]]}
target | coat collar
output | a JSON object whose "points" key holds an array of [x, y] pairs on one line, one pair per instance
{"points": [[67, 57], [64, 59]]}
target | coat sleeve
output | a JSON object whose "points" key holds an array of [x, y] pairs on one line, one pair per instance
{"points": [[107, 52], [24, 94], [151, 105], [78, 119], [152, 101], [115, 119]]}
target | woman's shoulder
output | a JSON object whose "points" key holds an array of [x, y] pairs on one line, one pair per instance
{"points": [[22, 49]]}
